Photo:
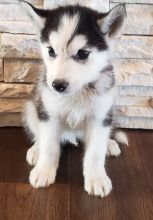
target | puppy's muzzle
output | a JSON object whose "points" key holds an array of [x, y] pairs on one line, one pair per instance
{"points": [[60, 85]]}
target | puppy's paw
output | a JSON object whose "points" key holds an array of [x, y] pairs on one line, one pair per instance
{"points": [[32, 155], [42, 176], [98, 186], [113, 148]]}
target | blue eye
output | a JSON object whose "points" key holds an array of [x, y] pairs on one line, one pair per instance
{"points": [[51, 52], [82, 55]]}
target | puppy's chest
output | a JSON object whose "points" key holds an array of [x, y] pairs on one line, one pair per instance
{"points": [[74, 112]]}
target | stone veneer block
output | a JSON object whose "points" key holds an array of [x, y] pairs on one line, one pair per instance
{"points": [[134, 47], [35, 2], [16, 27], [26, 46], [143, 91], [12, 12], [22, 70], [11, 105], [133, 111], [133, 122], [102, 6], [1, 70], [136, 101], [134, 72], [133, 1], [139, 19], [10, 119], [21, 46], [14, 90]]}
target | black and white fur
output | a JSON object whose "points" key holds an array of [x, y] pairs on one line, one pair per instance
{"points": [[83, 110]]}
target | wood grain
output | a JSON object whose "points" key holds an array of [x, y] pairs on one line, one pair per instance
{"points": [[132, 178], [23, 202], [13, 165], [131, 174]]}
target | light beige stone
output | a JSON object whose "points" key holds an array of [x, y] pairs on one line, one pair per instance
{"points": [[133, 122], [136, 101], [12, 12], [142, 91], [16, 27], [151, 102], [133, 111], [134, 47], [133, 72], [14, 90], [22, 46], [1, 70], [10, 120], [35, 2], [102, 6], [11, 105], [133, 1], [139, 19], [22, 70]]}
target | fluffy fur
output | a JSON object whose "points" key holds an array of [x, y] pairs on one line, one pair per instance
{"points": [[75, 43]]}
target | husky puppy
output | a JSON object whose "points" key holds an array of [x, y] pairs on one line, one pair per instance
{"points": [[73, 98]]}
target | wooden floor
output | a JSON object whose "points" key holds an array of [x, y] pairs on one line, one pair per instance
{"points": [[131, 174]]}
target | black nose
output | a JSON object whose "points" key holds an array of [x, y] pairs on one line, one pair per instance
{"points": [[60, 85]]}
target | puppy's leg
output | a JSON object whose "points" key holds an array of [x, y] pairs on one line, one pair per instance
{"points": [[31, 124], [44, 173], [113, 149], [96, 180], [32, 155]]}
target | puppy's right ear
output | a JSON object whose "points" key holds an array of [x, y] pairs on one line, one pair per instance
{"points": [[37, 16]]}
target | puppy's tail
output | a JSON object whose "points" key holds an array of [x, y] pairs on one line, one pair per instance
{"points": [[121, 137]]}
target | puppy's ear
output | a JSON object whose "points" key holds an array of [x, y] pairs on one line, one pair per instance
{"points": [[112, 23], [37, 16]]}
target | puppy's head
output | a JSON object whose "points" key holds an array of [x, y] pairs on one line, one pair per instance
{"points": [[75, 43]]}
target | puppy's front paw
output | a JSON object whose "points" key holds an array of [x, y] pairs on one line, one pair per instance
{"points": [[42, 176], [98, 186], [113, 148], [32, 155]]}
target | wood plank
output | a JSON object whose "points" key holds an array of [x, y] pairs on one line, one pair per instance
{"points": [[132, 177], [13, 165], [20, 201], [131, 174]]}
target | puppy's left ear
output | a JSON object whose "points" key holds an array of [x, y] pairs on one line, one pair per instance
{"points": [[112, 23], [37, 16]]}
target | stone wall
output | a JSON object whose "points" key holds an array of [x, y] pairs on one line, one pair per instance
{"points": [[20, 62]]}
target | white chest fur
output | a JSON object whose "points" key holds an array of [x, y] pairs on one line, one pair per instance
{"points": [[73, 110]]}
